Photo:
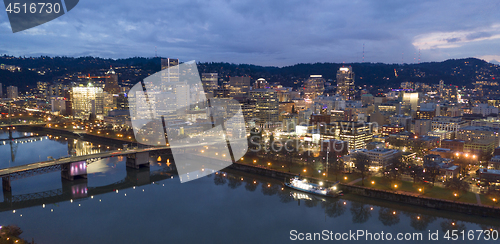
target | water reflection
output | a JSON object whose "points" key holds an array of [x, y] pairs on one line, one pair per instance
{"points": [[388, 216], [261, 202], [360, 212], [336, 207], [418, 221]]}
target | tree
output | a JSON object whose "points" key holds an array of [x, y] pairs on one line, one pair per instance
{"points": [[431, 172], [255, 138], [394, 168], [334, 164], [362, 165], [457, 185]]}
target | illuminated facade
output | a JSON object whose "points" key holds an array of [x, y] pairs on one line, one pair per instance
{"points": [[210, 82], [314, 86], [266, 105], [87, 100], [345, 82], [111, 86]]}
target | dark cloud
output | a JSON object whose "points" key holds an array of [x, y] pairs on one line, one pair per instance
{"points": [[451, 40], [477, 35], [268, 32]]}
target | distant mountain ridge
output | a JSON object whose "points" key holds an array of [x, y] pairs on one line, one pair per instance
{"points": [[460, 72]]}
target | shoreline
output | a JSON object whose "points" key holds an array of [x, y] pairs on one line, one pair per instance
{"points": [[407, 199]]}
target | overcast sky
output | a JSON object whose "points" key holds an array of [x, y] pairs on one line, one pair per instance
{"points": [[267, 32]]}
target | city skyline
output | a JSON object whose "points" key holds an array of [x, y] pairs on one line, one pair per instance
{"points": [[268, 33]]}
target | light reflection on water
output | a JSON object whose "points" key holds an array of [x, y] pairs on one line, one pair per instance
{"points": [[227, 207]]}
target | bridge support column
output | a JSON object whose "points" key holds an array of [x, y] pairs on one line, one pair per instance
{"points": [[6, 183], [137, 160], [70, 171]]}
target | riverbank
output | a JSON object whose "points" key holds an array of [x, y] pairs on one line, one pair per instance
{"points": [[117, 142], [399, 197]]}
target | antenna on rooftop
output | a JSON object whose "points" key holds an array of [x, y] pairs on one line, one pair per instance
{"points": [[363, 52], [419, 55], [156, 52]]}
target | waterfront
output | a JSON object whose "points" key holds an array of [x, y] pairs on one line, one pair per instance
{"points": [[225, 207]]}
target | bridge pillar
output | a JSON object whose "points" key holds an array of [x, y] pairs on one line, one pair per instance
{"points": [[137, 160], [6, 183], [70, 171]]}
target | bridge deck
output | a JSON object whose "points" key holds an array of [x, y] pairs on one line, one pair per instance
{"points": [[34, 166]]}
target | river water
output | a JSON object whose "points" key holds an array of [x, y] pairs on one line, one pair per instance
{"points": [[120, 205]]}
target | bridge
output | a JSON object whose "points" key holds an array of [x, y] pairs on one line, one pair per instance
{"points": [[76, 166]]}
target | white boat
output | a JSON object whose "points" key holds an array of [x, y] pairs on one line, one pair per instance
{"points": [[303, 185]]}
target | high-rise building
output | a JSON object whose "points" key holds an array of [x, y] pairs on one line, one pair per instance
{"points": [[266, 105], [239, 86], [56, 90], [1, 90], [182, 96], [171, 76], [87, 100], [260, 83], [345, 82], [12, 92], [209, 81], [42, 89], [111, 86], [314, 86]]}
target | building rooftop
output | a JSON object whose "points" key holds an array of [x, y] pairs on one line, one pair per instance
{"points": [[489, 171], [482, 128]]}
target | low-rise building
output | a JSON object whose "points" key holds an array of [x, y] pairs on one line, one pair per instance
{"points": [[380, 157], [489, 175], [470, 133], [453, 144], [442, 134], [482, 148]]}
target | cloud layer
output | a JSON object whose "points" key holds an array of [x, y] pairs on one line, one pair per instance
{"points": [[267, 32]]}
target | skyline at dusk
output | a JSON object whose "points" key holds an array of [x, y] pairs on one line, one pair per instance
{"points": [[267, 33]]}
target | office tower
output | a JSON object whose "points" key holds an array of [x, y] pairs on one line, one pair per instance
{"points": [[121, 101], [266, 105], [412, 99], [56, 90], [209, 81], [111, 86], [182, 95], [42, 89], [171, 76], [345, 82], [239, 86], [260, 83], [314, 86], [87, 100], [12, 92]]}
